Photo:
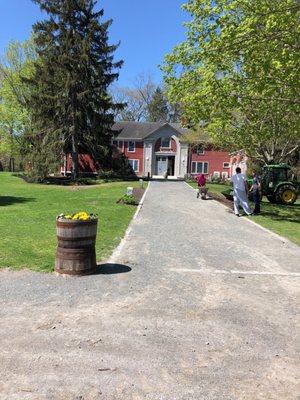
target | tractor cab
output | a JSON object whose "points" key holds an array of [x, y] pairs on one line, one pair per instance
{"points": [[276, 185]]}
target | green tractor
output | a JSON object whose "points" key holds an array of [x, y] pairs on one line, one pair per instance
{"points": [[275, 185]]}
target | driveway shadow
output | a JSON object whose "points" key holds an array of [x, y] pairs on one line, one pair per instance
{"points": [[9, 200], [111, 269]]}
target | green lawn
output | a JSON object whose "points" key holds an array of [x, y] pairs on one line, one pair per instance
{"points": [[28, 212], [284, 220]]}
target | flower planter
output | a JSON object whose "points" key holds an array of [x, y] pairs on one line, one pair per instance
{"points": [[76, 240]]}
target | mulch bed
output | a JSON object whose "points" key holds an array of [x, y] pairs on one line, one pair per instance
{"points": [[222, 200], [138, 194]]}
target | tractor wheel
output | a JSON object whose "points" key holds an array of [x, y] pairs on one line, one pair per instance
{"points": [[271, 198], [286, 194]]}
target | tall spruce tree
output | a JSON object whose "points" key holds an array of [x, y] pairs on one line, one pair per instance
{"points": [[161, 110], [158, 109], [70, 104]]}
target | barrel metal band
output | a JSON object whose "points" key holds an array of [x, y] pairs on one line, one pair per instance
{"points": [[74, 224], [76, 239]]}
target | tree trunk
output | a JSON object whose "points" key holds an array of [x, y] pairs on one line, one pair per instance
{"points": [[65, 163], [74, 138], [11, 164], [11, 160], [74, 158]]}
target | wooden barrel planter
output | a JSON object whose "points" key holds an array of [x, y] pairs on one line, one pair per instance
{"points": [[76, 240]]}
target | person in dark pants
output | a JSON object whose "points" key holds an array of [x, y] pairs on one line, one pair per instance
{"points": [[256, 189]]}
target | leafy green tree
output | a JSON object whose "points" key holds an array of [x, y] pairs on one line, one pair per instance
{"points": [[69, 103], [158, 109], [18, 62], [238, 71]]}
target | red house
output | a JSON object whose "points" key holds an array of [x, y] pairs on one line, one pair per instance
{"points": [[156, 149], [159, 149]]}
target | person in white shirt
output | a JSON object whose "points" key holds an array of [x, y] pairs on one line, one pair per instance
{"points": [[240, 190]]}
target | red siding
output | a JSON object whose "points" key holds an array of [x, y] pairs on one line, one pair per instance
{"points": [[138, 154], [214, 158], [85, 162]]}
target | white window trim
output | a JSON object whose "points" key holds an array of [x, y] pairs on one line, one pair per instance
{"points": [[165, 147], [138, 164], [131, 151], [227, 166], [202, 162], [224, 174], [217, 174]]}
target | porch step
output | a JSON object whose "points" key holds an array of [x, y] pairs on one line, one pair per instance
{"points": [[169, 178]]}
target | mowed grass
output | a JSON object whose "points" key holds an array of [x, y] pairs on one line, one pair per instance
{"points": [[281, 219], [28, 213]]}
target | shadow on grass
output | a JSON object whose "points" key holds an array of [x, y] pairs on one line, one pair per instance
{"points": [[111, 269], [9, 200], [281, 212], [281, 217]]}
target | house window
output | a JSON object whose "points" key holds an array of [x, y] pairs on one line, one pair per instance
{"points": [[200, 150], [165, 143], [224, 175], [134, 165], [115, 143], [199, 167], [226, 165], [131, 146], [216, 174]]}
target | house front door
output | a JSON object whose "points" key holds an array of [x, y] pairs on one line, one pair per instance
{"points": [[161, 165]]}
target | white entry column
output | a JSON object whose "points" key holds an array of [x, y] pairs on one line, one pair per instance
{"points": [[148, 157], [183, 163]]}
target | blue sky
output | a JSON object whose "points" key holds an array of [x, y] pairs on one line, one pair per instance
{"points": [[147, 29]]}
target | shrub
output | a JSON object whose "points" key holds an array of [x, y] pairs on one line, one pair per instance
{"points": [[216, 179], [129, 200]]}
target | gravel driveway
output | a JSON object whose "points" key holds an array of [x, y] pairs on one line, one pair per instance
{"points": [[196, 304]]}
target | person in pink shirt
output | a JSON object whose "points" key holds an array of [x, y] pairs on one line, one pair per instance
{"points": [[202, 189]]}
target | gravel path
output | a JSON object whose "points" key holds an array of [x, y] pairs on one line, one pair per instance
{"points": [[199, 305]]}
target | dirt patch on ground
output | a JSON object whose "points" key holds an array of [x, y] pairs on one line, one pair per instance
{"points": [[138, 194], [222, 200]]}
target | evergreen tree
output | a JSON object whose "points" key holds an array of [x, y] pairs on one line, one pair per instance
{"points": [[158, 109], [70, 104]]}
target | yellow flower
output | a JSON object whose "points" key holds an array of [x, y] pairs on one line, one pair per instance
{"points": [[83, 215]]}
